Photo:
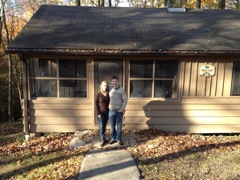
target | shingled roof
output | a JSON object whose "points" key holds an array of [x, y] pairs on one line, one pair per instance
{"points": [[101, 29]]}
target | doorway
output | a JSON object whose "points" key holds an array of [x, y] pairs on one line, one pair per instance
{"points": [[104, 69]]}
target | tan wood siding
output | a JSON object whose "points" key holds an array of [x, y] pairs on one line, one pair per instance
{"points": [[60, 115], [57, 128], [60, 112], [183, 120], [215, 86], [198, 128], [194, 115], [60, 120]]}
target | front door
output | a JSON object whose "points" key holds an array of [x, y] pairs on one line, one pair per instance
{"points": [[104, 69]]}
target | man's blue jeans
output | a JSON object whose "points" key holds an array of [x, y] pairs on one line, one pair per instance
{"points": [[102, 124], [115, 119]]}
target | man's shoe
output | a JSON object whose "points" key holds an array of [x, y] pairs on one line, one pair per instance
{"points": [[120, 142], [112, 141]]}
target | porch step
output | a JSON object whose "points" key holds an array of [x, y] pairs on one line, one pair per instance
{"points": [[83, 138]]}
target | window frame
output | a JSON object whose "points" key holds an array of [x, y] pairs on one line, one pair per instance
{"points": [[58, 78], [153, 78], [234, 74]]}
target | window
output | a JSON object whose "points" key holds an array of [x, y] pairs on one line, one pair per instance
{"points": [[153, 79], [235, 91], [46, 81]]}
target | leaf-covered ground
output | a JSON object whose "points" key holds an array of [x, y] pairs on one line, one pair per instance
{"points": [[44, 157], [159, 155], [164, 155]]}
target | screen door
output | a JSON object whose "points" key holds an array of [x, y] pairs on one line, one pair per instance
{"points": [[104, 69]]}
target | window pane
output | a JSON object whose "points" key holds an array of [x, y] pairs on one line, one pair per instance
{"points": [[43, 88], [68, 83], [105, 69], [166, 69], [141, 88], [141, 69], [72, 68], [43, 68], [236, 79], [163, 88], [78, 88]]}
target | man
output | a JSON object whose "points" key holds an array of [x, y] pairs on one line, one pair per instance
{"points": [[117, 105]]}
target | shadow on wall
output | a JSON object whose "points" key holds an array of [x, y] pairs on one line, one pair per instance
{"points": [[166, 115], [172, 115]]}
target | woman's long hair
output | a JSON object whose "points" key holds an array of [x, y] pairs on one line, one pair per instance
{"points": [[100, 87]]}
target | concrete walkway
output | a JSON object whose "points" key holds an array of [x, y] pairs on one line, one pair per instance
{"points": [[111, 162], [109, 165]]}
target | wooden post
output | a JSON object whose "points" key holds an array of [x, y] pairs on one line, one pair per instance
{"points": [[25, 97]]}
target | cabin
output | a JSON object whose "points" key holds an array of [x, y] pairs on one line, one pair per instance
{"points": [[180, 69]]}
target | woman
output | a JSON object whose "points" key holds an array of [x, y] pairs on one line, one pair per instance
{"points": [[101, 105]]}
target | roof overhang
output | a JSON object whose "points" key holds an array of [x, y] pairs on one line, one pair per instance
{"points": [[126, 52]]}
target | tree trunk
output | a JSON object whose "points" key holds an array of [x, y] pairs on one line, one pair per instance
{"points": [[152, 3], [101, 2], [199, 2], [18, 82], [0, 30], [221, 4], [10, 101], [2, 107], [78, 2]]}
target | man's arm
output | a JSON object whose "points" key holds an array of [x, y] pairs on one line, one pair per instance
{"points": [[124, 102]]}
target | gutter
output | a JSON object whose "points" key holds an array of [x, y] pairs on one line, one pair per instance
{"points": [[124, 52]]}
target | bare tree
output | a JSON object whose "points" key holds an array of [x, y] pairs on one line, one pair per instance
{"points": [[10, 99], [78, 2], [101, 3], [221, 4], [199, 2]]}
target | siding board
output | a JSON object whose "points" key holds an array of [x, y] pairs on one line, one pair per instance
{"points": [[60, 120], [184, 107], [185, 113], [220, 80], [216, 101], [183, 120], [136, 126], [214, 81], [198, 128], [57, 128], [60, 106], [194, 74], [62, 113], [228, 79], [201, 83], [187, 79]]}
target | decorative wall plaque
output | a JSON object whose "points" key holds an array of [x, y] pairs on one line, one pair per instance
{"points": [[207, 70]]}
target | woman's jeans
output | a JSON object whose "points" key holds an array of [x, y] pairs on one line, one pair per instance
{"points": [[102, 124], [116, 120]]}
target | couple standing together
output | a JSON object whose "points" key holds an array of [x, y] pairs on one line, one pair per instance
{"points": [[110, 103]]}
